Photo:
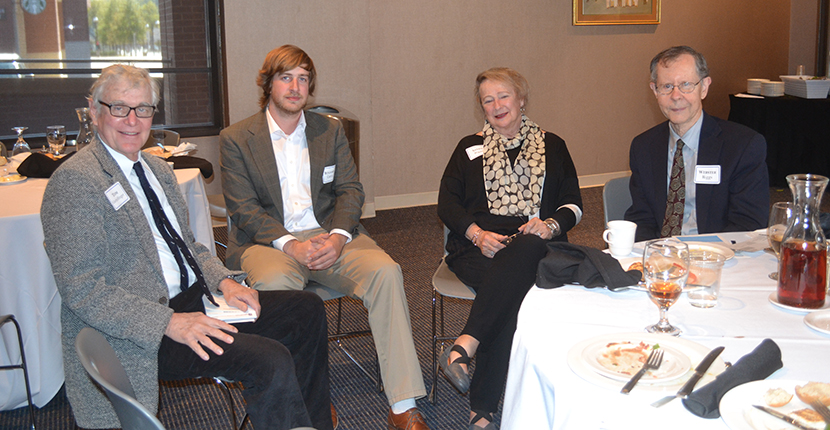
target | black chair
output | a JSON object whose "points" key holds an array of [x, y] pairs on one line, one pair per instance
{"points": [[4, 319], [103, 366]]}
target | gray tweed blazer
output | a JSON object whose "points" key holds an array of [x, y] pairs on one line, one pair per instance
{"points": [[109, 276]]}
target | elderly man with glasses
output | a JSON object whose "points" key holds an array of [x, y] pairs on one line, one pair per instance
{"points": [[126, 264], [694, 173]]}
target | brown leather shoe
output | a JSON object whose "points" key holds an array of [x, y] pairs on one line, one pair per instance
{"points": [[334, 421], [409, 420]]}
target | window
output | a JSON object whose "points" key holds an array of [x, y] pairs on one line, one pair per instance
{"points": [[51, 51]]}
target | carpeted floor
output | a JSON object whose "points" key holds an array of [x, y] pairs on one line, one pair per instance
{"points": [[413, 237]]}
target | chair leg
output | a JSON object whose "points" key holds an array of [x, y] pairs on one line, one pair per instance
{"points": [[433, 392], [337, 339], [23, 366]]}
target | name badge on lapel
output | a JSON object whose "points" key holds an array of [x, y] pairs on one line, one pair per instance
{"points": [[475, 151], [117, 196], [707, 174], [328, 174]]}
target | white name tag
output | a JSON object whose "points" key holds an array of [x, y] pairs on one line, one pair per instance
{"points": [[328, 174], [116, 195], [475, 151], [707, 174]]}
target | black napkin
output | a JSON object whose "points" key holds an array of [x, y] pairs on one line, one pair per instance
{"points": [[567, 263], [38, 165], [758, 364], [188, 162]]}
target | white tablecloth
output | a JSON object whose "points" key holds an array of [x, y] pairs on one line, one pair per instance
{"points": [[27, 288], [544, 393]]}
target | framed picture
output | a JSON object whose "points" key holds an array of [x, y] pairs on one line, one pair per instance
{"points": [[615, 12]]}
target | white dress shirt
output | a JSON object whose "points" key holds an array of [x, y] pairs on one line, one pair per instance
{"points": [[169, 267], [294, 168], [691, 143]]}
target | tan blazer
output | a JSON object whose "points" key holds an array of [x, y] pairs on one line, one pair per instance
{"points": [[251, 182]]}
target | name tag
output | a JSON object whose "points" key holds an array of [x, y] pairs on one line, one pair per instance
{"points": [[707, 174], [328, 174], [117, 196], [475, 151]]}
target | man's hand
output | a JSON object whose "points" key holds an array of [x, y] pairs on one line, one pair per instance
{"points": [[301, 251], [239, 296], [330, 247], [195, 330]]}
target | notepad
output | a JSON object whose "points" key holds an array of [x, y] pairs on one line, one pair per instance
{"points": [[227, 313]]}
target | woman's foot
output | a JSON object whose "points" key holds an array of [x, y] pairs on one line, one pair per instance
{"points": [[456, 370], [481, 420]]}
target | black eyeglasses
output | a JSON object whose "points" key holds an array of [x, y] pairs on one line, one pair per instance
{"points": [[684, 87], [123, 111]]}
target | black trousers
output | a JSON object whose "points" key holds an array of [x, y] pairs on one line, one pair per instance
{"points": [[281, 359], [501, 284]]}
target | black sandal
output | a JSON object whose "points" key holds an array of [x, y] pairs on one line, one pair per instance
{"points": [[479, 415], [453, 371]]}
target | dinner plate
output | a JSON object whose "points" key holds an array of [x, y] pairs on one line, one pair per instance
{"points": [[818, 321], [773, 298], [700, 247], [675, 364], [736, 405], [168, 151], [12, 179], [693, 351]]}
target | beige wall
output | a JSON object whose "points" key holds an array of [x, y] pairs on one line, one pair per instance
{"points": [[406, 70]]}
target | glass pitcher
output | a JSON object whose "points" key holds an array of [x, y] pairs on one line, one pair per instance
{"points": [[802, 270], [85, 128]]}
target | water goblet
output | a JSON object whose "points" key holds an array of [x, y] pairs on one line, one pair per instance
{"points": [[20, 147], [56, 136], [666, 269], [779, 216]]}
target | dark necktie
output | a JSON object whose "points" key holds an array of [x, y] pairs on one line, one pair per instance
{"points": [[171, 236], [676, 197]]}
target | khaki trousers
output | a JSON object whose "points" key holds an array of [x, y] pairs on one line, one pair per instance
{"points": [[365, 272]]}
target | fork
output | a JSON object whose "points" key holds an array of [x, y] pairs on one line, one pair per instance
{"points": [[823, 411], [655, 359]]}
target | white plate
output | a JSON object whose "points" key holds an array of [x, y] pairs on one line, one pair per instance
{"points": [[711, 247], [12, 179], [168, 151], [773, 298], [736, 405], [693, 351], [819, 321], [675, 364]]}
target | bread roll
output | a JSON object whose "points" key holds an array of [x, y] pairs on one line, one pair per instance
{"points": [[777, 397], [814, 391]]}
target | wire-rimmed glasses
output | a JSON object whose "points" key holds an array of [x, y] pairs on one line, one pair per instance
{"points": [[684, 87]]}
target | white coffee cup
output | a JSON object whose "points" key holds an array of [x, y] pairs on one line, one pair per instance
{"points": [[620, 237]]}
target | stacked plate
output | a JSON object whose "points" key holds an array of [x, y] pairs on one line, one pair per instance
{"points": [[806, 88], [753, 86], [772, 89]]}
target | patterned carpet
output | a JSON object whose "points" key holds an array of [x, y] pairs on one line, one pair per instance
{"points": [[413, 237]]}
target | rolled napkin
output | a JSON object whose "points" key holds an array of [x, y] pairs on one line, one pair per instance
{"points": [[566, 263], [758, 364], [38, 165]]}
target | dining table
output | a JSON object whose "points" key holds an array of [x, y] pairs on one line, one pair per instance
{"points": [[554, 382], [28, 290]]}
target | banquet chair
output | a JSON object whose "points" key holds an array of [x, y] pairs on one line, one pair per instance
{"points": [[103, 366], [171, 138], [4, 319], [616, 198], [444, 284]]}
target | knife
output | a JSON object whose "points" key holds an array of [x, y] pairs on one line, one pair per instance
{"points": [[783, 417], [700, 370]]}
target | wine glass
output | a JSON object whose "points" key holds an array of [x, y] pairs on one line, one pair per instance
{"points": [[666, 269], [20, 147], [56, 136], [779, 216]]}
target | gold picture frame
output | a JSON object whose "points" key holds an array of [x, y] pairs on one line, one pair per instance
{"points": [[616, 12]]}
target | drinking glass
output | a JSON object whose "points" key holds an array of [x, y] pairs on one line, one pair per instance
{"points": [[666, 269], [779, 216], [56, 136], [20, 147], [158, 139]]}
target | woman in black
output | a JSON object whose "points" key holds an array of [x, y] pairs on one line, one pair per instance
{"points": [[505, 193]]}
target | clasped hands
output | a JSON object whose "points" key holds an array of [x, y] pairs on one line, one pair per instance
{"points": [[196, 329], [317, 253], [490, 243]]}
